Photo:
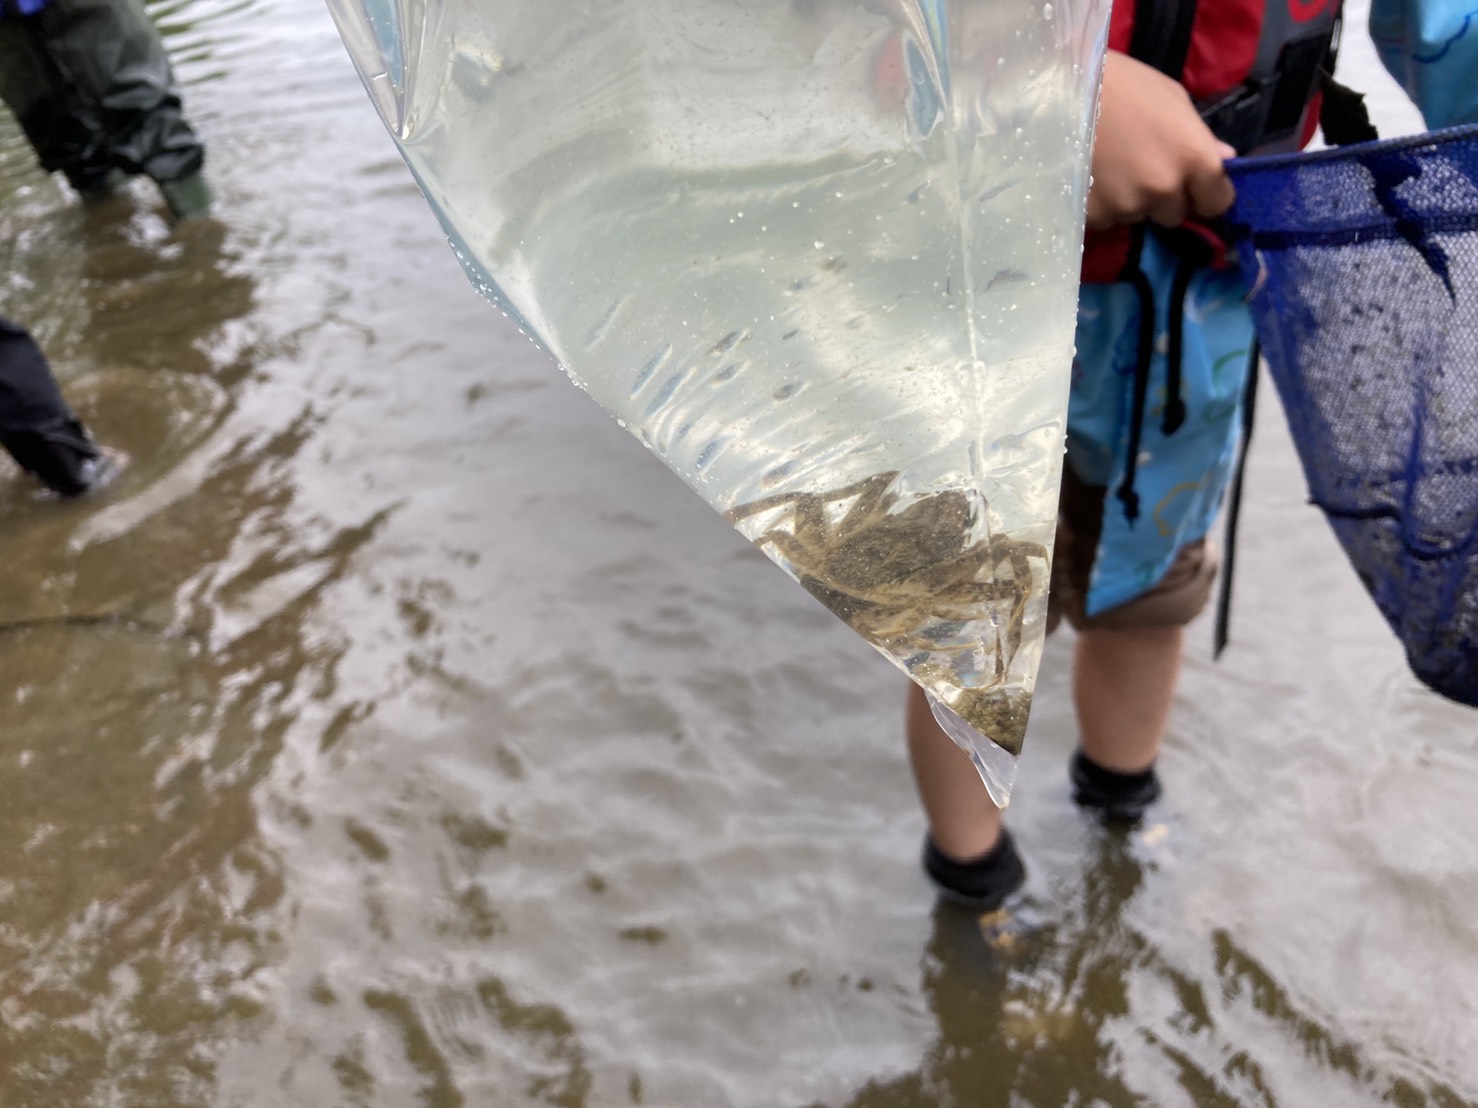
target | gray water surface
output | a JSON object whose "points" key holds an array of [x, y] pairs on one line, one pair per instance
{"points": [[400, 733]]}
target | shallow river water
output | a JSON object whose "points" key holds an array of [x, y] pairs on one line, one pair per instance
{"points": [[400, 733]]}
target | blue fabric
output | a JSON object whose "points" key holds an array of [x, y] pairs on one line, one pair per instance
{"points": [[1364, 262], [1431, 48], [21, 7], [1181, 477]]}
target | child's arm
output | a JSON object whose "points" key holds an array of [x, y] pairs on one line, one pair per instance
{"points": [[1153, 158]]}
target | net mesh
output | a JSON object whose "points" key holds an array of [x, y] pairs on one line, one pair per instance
{"points": [[1363, 261]]}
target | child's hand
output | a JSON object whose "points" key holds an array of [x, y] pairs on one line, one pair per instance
{"points": [[1153, 158]]}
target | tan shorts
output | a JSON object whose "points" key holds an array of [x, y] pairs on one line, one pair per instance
{"points": [[1175, 600]]}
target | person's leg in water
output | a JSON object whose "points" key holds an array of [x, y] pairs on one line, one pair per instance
{"points": [[1137, 560], [1123, 686], [967, 853], [113, 56], [1126, 664], [38, 429], [63, 130]]}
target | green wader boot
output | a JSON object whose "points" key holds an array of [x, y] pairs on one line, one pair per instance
{"points": [[92, 87]]}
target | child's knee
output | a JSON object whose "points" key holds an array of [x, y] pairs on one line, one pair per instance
{"points": [[1174, 601]]}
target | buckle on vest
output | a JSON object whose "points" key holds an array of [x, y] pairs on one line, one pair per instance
{"points": [[1264, 111], [1240, 118]]}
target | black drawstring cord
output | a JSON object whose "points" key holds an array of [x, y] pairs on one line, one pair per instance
{"points": [[1174, 414], [1193, 254], [1234, 510], [1146, 293]]}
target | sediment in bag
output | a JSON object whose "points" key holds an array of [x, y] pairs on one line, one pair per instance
{"points": [[909, 578]]}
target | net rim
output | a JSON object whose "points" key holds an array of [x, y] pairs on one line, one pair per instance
{"points": [[1247, 167]]}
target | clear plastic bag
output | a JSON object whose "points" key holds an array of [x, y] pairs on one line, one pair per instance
{"points": [[821, 256]]}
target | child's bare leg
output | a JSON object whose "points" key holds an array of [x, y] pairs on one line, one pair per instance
{"points": [[1123, 686], [968, 854], [962, 820]]}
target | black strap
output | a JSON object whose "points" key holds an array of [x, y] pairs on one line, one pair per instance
{"points": [[1234, 510], [1162, 34], [1343, 116], [1174, 414], [1126, 493], [1193, 254]]}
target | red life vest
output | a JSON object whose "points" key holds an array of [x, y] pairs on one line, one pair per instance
{"points": [[1252, 67]]}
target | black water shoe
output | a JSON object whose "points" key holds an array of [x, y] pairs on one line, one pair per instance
{"points": [[982, 883], [1114, 797]]}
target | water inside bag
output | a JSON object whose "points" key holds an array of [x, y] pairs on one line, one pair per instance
{"points": [[820, 256]]}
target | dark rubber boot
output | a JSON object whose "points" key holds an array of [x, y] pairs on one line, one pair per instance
{"points": [[61, 456], [188, 197]]}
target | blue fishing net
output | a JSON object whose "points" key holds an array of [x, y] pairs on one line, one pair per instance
{"points": [[1363, 262]]}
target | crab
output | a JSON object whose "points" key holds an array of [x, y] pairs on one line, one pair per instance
{"points": [[892, 573]]}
